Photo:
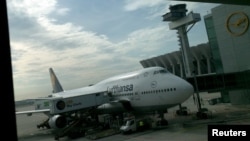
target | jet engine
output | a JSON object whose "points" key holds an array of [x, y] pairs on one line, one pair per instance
{"points": [[57, 121]]}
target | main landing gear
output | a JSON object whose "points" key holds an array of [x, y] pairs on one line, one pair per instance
{"points": [[162, 121]]}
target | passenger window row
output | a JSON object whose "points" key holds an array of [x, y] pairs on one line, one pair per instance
{"points": [[159, 91], [149, 92], [127, 94]]}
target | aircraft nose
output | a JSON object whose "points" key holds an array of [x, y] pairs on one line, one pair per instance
{"points": [[188, 88]]}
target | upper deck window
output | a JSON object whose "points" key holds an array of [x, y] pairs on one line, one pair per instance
{"points": [[163, 71], [160, 71]]}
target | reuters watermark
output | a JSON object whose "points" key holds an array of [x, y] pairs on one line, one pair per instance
{"points": [[241, 132]]}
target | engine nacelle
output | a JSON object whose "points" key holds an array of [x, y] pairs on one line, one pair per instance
{"points": [[57, 121]]}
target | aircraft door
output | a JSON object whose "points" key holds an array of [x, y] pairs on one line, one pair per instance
{"points": [[137, 97], [137, 94]]}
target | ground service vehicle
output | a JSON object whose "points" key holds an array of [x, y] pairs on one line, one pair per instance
{"points": [[133, 124]]}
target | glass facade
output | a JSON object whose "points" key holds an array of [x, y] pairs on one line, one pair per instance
{"points": [[212, 38]]}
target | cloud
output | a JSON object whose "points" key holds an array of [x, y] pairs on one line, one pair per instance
{"points": [[146, 40], [69, 46], [32, 8], [131, 5], [63, 11], [79, 56], [156, 8]]}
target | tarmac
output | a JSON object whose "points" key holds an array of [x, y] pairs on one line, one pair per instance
{"points": [[180, 128]]}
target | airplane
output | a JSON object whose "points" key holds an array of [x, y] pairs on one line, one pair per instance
{"points": [[139, 92]]}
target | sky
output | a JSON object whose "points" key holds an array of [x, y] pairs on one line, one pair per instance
{"points": [[86, 41]]}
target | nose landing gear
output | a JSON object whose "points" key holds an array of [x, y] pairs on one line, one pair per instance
{"points": [[182, 111]]}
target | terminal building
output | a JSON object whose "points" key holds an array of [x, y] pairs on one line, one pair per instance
{"points": [[223, 64]]}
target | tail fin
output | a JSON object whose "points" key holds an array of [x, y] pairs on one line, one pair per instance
{"points": [[54, 81]]}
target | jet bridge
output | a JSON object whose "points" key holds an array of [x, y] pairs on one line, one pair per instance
{"points": [[70, 104], [77, 125]]}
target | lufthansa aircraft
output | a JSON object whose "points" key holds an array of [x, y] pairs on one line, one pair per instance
{"points": [[144, 91]]}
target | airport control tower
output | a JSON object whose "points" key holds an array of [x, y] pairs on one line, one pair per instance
{"points": [[179, 20]]}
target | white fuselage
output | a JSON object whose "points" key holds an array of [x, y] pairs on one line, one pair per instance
{"points": [[146, 90]]}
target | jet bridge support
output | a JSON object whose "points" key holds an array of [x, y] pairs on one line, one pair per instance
{"points": [[180, 21], [78, 127]]}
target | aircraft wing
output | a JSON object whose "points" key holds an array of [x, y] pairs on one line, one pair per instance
{"points": [[126, 103], [30, 112]]}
